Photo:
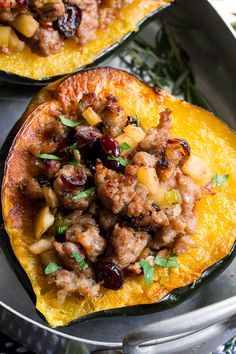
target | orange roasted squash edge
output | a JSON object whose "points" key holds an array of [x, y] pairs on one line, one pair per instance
{"points": [[29, 67], [210, 139]]}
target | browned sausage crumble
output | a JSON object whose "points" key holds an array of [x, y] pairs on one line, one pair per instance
{"points": [[116, 196], [45, 24]]}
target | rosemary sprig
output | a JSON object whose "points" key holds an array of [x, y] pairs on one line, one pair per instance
{"points": [[166, 66]]}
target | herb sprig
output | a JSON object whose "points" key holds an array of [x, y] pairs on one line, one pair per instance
{"points": [[52, 268], [148, 269], [79, 259], [219, 180], [85, 194], [123, 162], [124, 146], [164, 65], [69, 122], [48, 157]]}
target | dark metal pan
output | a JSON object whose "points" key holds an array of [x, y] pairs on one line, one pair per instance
{"points": [[200, 29]]}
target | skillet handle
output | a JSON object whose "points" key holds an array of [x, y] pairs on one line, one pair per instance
{"points": [[199, 331]]}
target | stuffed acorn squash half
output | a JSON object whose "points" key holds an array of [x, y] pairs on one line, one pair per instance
{"points": [[115, 194], [41, 39]]}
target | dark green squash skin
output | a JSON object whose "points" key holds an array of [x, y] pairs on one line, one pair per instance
{"points": [[172, 299], [108, 52]]}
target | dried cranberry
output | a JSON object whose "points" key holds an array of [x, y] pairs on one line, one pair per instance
{"points": [[182, 144], [22, 4], [86, 135], [74, 181], [163, 163], [68, 24], [109, 146], [109, 274], [131, 120], [157, 90], [109, 150]]}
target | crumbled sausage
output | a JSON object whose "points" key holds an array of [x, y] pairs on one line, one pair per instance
{"points": [[142, 158], [49, 41], [89, 23], [113, 116], [86, 233], [107, 219], [69, 182], [70, 283], [156, 138], [49, 10], [128, 245], [32, 188], [114, 189]]}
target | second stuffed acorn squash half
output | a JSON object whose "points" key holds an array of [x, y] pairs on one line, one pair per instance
{"points": [[40, 39], [115, 194]]}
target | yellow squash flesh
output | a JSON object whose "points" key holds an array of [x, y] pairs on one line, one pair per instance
{"points": [[210, 140], [71, 56]]}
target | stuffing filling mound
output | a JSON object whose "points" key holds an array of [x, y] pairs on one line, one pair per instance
{"points": [[45, 24], [113, 200]]}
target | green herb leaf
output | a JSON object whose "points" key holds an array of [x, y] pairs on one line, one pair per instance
{"points": [[120, 160], [88, 193], [52, 268], [77, 155], [79, 259], [124, 146], [69, 122], [193, 285], [170, 262], [48, 157], [219, 179], [71, 147], [148, 271], [138, 119], [60, 230]]}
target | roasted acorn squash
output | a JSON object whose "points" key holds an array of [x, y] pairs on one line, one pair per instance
{"points": [[26, 65], [210, 139]]}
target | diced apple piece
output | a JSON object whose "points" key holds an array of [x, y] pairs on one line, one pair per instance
{"points": [[123, 138], [4, 37], [91, 116], [51, 197], [15, 45], [159, 197], [148, 177], [164, 198], [197, 170], [173, 197], [42, 245], [135, 133], [25, 24], [43, 220], [48, 257]]}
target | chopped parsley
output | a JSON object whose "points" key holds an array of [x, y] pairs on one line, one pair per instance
{"points": [[120, 160], [71, 147], [193, 285], [60, 230], [138, 119], [76, 156], [88, 193], [170, 262], [52, 268], [48, 157], [124, 146], [79, 259], [69, 122], [219, 180], [148, 271]]}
